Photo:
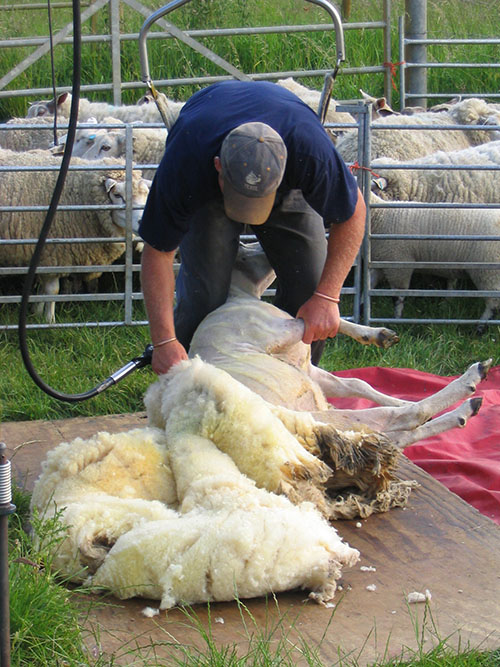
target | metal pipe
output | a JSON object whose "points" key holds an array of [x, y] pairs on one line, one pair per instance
{"points": [[416, 28], [6, 508], [337, 22]]}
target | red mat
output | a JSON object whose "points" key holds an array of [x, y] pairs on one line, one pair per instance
{"points": [[466, 460]]}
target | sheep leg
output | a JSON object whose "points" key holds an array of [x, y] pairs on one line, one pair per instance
{"points": [[379, 336], [49, 286], [337, 387], [492, 309], [392, 420], [457, 418], [399, 279]]}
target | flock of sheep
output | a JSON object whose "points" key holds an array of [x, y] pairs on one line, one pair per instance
{"points": [[456, 135]]}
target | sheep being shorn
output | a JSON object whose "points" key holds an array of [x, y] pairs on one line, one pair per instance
{"points": [[35, 188], [434, 222], [271, 360], [406, 144], [215, 508], [443, 185]]}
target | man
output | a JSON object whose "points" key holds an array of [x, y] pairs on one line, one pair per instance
{"points": [[247, 153]]}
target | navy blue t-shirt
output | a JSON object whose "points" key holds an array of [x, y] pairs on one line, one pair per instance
{"points": [[186, 178]]}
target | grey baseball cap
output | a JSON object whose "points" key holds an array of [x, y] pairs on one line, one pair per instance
{"points": [[253, 160]]}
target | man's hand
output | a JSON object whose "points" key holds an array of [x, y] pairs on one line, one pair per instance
{"points": [[166, 356], [321, 319]]}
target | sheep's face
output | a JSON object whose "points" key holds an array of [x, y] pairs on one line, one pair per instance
{"points": [[117, 194], [494, 119], [47, 107], [39, 109], [107, 144]]}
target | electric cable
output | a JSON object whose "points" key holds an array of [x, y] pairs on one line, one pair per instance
{"points": [[137, 362]]}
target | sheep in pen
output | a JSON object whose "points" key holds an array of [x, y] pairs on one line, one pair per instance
{"points": [[231, 489]]}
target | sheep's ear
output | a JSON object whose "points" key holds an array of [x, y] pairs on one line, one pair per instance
{"points": [[379, 183], [59, 149], [148, 182], [109, 184], [62, 98], [380, 105]]}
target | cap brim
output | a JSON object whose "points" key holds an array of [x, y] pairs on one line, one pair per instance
{"points": [[247, 210]]}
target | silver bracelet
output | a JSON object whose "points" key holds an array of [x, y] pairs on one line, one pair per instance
{"points": [[164, 342], [328, 298]]}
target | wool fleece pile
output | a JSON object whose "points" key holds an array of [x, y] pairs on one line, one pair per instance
{"points": [[216, 498]]}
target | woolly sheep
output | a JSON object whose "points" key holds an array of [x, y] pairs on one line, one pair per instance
{"points": [[273, 339], [458, 222], [26, 138], [202, 516], [84, 137], [443, 185], [271, 360], [33, 188], [128, 113], [405, 144], [148, 146]]}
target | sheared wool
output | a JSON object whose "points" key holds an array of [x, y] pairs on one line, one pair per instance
{"points": [[172, 517], [229, 539]]}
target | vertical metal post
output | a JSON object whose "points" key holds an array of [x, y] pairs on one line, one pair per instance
{"points": [[416, 28], [402, 70], [114, 15], [128, 287], [364, 144], [387, 52], [6, 508]]}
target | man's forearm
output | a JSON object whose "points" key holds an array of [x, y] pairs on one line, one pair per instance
{"points": [[158, 286], [343, 245]]}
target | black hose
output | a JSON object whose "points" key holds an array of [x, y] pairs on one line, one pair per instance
{"points": [[135, 363]]}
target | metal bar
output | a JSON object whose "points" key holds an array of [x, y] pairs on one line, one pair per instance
{"points": [[129, 233], [437, 265], [437, 292], [387, 52], [407, 320], [486, 41], [415, 65], [337, 22], [114, 11], [176, 32], [214, 32]]}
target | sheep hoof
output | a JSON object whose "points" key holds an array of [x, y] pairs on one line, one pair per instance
{"points": [[484, 367], [475, 404], [387, 338]]}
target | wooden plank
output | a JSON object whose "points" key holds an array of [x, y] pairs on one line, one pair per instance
{"points": [[438, 542]]}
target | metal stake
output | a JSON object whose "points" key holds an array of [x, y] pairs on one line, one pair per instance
{"points": [[6, 508]]}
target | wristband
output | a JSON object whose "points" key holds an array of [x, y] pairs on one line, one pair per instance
{"points": [[164, 342], [334, 299]]}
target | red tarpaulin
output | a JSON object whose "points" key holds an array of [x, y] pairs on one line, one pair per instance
{"points": [[465, 460]]}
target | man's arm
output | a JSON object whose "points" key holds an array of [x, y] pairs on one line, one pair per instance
{"points": [[158, 286], [321, 316]]}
